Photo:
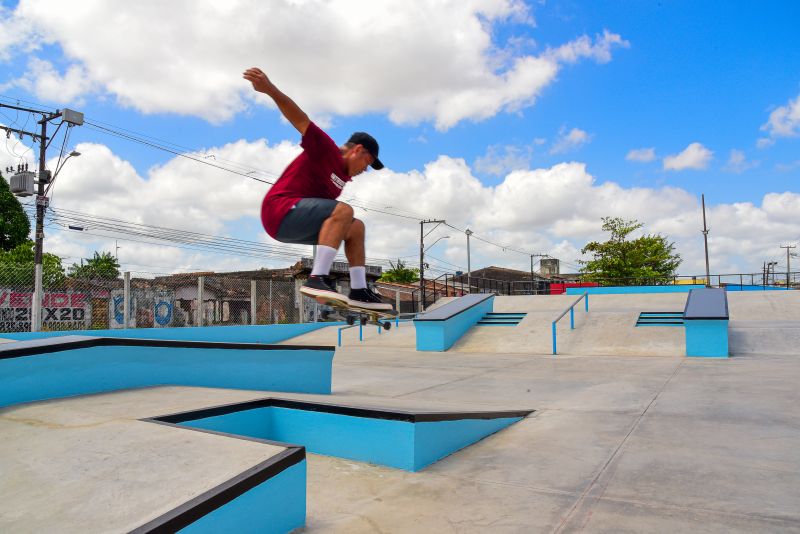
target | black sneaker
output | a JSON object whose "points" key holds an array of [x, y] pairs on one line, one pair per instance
{"points": [[368, 300], [321, 288]]}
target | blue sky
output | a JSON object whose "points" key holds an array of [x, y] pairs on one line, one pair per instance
{"points": [[524, 156]]}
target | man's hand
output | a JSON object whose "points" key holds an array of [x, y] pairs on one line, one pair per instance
{"points": [[259, 80], [286, 105]]}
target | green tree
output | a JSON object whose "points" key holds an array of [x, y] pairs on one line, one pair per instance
{"points": [[17, 267], [99, 267], [628, 260], [14, 223], [400, 274]]}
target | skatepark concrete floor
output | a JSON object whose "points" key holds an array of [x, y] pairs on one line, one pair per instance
{"points": [[619, 441]]}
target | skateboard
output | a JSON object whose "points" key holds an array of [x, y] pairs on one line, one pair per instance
{"points": [[363, 316]]}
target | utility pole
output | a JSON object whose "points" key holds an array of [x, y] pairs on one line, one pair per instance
{"points": [[788, 260], [422, 235], [469, 267], [540, 256], [72, 118], [705, 239]]}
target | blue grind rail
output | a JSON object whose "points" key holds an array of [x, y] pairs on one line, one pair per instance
{"points": [[75, 365], [399, 439], [571, 310], [439, 329]]}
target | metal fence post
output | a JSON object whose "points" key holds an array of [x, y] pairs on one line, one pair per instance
{"points": [[252, 302], [301, 304], [36, 304], [269, 307], [126, 300], [397, 300], [200, 283]]}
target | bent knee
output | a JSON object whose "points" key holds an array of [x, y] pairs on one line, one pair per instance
{"points": [[356, 229], [343, 211]]}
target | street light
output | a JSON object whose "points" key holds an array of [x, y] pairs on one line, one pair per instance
{"points": [[443, 237], [73, 154]]}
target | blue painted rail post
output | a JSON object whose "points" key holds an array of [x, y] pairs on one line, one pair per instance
{"points": [[571, 310]]}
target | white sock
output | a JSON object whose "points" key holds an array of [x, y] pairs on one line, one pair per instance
{"points": [[323, 261], [358, 277]]}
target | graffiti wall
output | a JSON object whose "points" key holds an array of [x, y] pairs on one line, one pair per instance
{"points": [[148, 309], [65, 310]]}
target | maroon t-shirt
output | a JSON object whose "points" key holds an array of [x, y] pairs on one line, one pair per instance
{"points": [[318, 172]]}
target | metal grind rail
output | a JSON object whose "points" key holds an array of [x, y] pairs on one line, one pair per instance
{"points": [[397, 320], [571, 310]]}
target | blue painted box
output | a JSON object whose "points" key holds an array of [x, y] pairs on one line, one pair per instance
{"points": [[439, 329]]}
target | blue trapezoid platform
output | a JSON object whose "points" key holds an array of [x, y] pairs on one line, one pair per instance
{"points": [[400, 439]]}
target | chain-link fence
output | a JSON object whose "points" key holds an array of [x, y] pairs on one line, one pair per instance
{"points": [[139, 302]]}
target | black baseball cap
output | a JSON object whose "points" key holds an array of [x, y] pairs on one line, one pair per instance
{"points": [[367, 141]]}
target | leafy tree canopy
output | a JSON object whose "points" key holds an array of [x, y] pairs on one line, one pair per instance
{"points": [[17, 267], [14, 224], [400, 274], [629, 260], [99, 267]]}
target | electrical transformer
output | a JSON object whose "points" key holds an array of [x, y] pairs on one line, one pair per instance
{"points": [[21, 184]]}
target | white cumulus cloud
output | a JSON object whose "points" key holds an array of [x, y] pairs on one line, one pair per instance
{"points": [[194, 68], [641, 154], [738, 163], [554, 210], [784, 121], [500, 160], [571, 140], [695, 156]]}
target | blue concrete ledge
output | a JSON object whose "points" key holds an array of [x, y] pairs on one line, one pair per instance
{"points": [[737, 287], [632, 290], [706, 323], [439, 329], [75, 365], [272, 333], [268, 498], [400, 439]]}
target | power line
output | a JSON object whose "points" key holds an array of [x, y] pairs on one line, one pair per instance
{"points": [[159, 144], [143, 233]]}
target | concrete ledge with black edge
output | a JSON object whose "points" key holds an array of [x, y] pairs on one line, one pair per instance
{"points": [[439, 329], [706, 322], [269, 333], [408, 440], [269, 497], [75, 365], [633, 290]]}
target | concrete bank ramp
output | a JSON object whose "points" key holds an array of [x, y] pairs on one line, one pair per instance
{"points": [[608, 329], [764, 322]]}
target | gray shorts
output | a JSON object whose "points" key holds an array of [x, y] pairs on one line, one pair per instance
{"points": [[302, 223]]}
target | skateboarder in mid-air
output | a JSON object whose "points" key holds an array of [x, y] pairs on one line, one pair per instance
{"points": [[301, 207]]}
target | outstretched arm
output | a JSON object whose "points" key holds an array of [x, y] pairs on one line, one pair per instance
{"points": [[290, 110]]}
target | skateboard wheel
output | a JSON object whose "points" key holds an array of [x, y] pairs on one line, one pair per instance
{"points": [[351, 320], [363, 321], [387, 325]]}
